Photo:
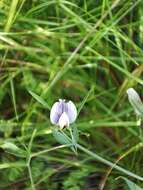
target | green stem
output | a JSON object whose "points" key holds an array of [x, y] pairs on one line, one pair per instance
{"points": [[49, 150], [30, 174], [29, 159], [108, 163]]}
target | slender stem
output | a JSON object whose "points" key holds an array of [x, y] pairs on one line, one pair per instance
{"points": [[132, 149], [108, 163], [139, 122], [94, 155], [71, 135], [29, 159], [48, 150], [73, 141], [30, 174]]}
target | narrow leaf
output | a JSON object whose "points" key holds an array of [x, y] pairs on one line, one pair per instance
{"points": [[60, 137], [9, 146], [131, 185], [39, 99]]}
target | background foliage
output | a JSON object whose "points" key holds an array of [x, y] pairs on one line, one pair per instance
{"points": [[86, 51]]}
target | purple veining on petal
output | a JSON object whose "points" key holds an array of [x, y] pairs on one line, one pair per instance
{"points": [[63, 105], [56, 112], [54, 115]]}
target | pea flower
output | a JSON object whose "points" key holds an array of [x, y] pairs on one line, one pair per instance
{"points": [[63, 113], [135, 101]]}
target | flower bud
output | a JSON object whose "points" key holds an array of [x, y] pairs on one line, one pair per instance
{"points": [[135, 101]]}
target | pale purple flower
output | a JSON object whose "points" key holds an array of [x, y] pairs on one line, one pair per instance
{"points": [[63, 113]]}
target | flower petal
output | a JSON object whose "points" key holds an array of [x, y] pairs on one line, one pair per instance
{"points": [[64, 120], [71, 111], [56, 112]]}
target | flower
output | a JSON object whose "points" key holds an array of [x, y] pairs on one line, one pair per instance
{"points": [[135, 101], [63, 113]]}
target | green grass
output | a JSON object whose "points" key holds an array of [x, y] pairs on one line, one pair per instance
{"points": [[86, 51]]}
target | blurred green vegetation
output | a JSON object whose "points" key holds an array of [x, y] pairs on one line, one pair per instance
{"points": [[86, 51]]}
